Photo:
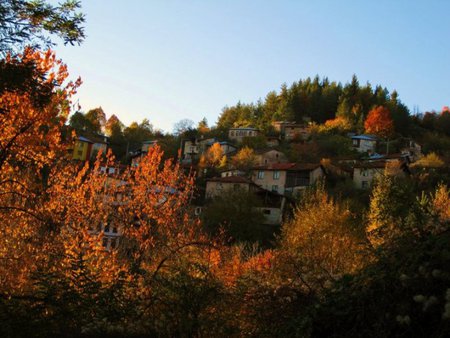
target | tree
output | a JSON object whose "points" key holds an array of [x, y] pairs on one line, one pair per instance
{"points": [[25, 22], [97, 119], [182, 126], [213, 157], [202, 126], [321, 243], [244, 160], [379, 122], [113, 126]]}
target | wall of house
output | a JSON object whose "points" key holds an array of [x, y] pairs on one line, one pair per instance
{"points": [[272, 216], [214, 188], [81, 151], [268, 181], [239, 134], [291, 133], [361, 175], [270, 157], [96, 148], [363, 146]]}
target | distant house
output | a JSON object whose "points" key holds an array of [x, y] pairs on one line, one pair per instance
{"points": [[100, 144], [218, 185], [86, 147], [137, 155], [291, 130], [269, 156], [82, 149], [146, 145], [287, 178], [365, 172], [238, 134], [364, 143], [273, 204], [193, 149]]}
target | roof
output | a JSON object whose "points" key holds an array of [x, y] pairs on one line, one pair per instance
{"points": [[289, 166], [231, 179], [84, 139], [365, 137], [150, 142]]}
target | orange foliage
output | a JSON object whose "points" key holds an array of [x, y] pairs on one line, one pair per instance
{"points": [[379, 122]]}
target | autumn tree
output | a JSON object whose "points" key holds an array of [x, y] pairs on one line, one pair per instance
{"points": [[213, 158], [244, 160], [321, 243], [379, 123]]}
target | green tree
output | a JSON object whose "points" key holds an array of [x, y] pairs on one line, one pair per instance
{"points": [[24, 22], [97, 119]]}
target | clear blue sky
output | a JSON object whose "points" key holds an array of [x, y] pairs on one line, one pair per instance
{"points": [[169, 60]]}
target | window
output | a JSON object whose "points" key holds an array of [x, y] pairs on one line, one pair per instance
{"points": [[232, 133], [260, 174], [236, 186], [355, 142], [364, 172], [274, 187], [364, 184], [266, 211], [276, 175]]}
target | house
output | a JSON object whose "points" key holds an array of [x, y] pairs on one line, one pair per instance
{"points": [[287, 178], [218, 185], [238, 134], [365, 172], [192, 149], [269, 156], [273, 205], [364, 143], [290, 130], [137, 155], [146, 145], [82, 149], [87, 148], [100, 144]]}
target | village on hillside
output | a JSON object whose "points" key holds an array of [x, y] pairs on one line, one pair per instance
{"points": [[276, 165]]}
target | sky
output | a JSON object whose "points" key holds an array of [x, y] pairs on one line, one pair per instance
{"points": [[171, 60]]}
